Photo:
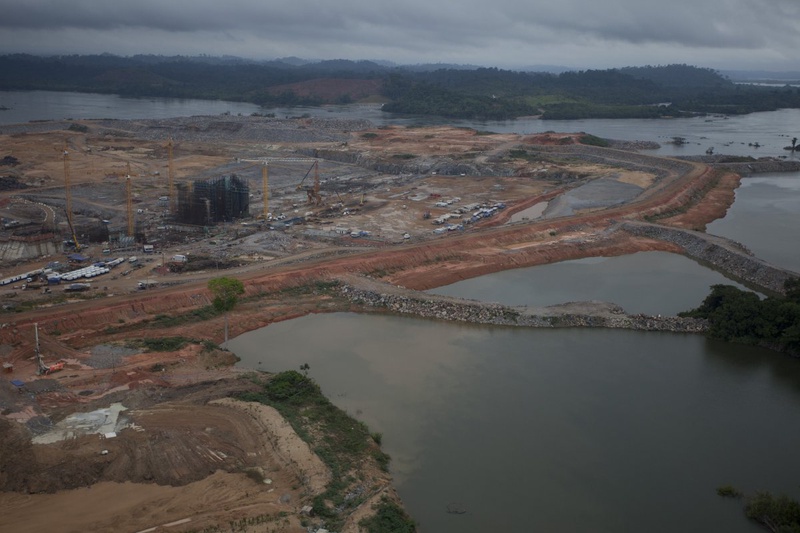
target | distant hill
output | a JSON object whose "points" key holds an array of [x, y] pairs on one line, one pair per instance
{"points": [[461, 91], [678, 76]]}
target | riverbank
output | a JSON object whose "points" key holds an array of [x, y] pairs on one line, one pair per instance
{"points": [[369, 294], [727, 256]]}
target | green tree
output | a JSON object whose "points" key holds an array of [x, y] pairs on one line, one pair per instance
{"points": [[226, 293]]}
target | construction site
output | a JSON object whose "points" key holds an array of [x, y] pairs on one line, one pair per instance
{"points": [[111, 230]]}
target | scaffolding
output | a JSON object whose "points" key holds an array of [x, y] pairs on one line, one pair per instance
{"points": [[207, 202]]}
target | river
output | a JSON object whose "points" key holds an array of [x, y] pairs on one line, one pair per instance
{"points": [[729, 135], [554, 430], [644, 282], [25, 106], [765, 217], [562, 430]]}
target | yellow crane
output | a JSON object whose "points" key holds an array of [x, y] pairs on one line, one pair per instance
{"points": [[129, 206], [312, 192], [173, 201], [265, 177], [68, 198]]}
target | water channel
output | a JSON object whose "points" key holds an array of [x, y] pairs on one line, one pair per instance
{"points": [[562, 430], [641, 283], [735, 135], [766, 218]]}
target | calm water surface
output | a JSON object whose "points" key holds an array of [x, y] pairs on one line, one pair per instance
{"points": [[646, 282], [766, 218], [560, 430], [732, 135], [25, 106]]}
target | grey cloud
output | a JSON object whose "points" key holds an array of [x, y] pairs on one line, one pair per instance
{"points": [[427, 29]]}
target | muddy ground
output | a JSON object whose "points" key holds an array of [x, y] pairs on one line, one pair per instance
{"points": [[184, 456]]}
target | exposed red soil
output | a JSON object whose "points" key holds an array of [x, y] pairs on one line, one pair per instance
{"points": [[68, 331]]}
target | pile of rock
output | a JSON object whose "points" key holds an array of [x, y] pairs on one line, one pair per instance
{"points": [[576, 314]]}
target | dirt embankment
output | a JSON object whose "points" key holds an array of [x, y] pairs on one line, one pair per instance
{"points": [[219, 454], [191, 457]]}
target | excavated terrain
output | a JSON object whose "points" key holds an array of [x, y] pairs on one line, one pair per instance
{"points": [[182, 455]]}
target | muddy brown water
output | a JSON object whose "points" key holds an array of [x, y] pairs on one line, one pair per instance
{"points": [[554, 430]]}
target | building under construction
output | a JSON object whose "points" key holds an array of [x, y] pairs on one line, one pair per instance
{"points": [[206, 202]]}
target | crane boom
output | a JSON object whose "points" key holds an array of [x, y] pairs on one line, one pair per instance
{"points": [[173, 202], [129, 205], [265, 188], [68, 198], [265, 174]]}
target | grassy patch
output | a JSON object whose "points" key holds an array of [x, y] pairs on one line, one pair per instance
{"points": [[388, 518], [593, 140], [728, 491], [316, 288], [339, 440], [197, 315], [162, 344]]}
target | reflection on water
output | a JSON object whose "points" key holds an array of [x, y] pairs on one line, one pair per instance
{"points": [[734, 135], [554, 430], [25, 106], [646, 282], [766, 217]]}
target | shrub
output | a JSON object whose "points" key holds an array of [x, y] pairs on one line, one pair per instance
{"points": [[388, 518], [728, 491], [593, 140], [165, 344]]}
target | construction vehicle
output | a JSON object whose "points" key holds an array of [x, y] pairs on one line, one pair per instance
{"points": [[44, 369]]}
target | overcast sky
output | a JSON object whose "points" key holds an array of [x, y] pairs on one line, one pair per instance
{"points": [[724, 34]]}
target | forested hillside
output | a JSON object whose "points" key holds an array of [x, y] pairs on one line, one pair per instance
{"points": [[490, 93]]}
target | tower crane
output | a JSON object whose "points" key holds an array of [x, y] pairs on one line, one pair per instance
{"points": [[129, 206], [68, 197], [173, 202], [313, 193]]}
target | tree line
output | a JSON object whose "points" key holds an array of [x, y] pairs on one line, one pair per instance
{"points": [[736, 315], [476, 93]]}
